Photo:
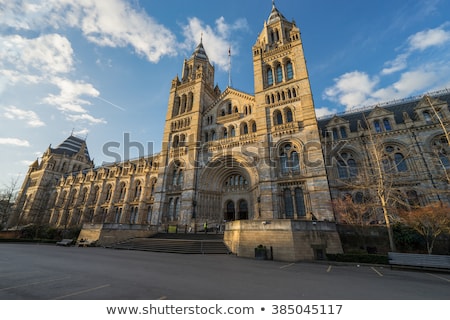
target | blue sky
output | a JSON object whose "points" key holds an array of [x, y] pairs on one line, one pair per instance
{"points": [[103, 69]]}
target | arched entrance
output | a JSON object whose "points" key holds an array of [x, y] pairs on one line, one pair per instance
{"points": [[229, 211], [226, 191], [243, 210]]}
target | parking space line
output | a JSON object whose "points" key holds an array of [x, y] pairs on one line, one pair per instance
{"points": [[329, 268], [442, 278], [81, 292], [287, 265], [33, 283], [378, 272]]}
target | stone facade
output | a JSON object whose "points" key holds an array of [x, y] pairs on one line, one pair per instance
{"points": [[260, 164]]}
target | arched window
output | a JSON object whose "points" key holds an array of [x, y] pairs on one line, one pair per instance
{"points": [[279, 73], [180, 179], [269, 77], [108, 193], [289, 159], [245, 129], [300, 202], [278, 117], [233, 132], [343, 132], [225, 133], [253, 126], [176, 141], [377, 125], [393, 160], [289, 117], [288, 204], [122, 192], [170, 209], [346, 166], [213, 135], [387, 124], [289, 71], [335, 134], [400, 162], [137, 190], [176, 209]]}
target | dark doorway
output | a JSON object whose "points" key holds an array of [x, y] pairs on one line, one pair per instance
{"points": [[243, 210], [229, 211]]}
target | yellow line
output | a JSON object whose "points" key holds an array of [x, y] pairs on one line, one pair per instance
{"points": [[33, 283], [442, 278], [379, 273], [287, 265], [81, 292], [162, 298], [329, 268]]}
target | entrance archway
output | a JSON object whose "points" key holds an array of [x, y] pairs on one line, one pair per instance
{"points": [[243, 210], [229, 211]]}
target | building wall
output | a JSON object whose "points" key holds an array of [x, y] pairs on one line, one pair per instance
{"points": [[229, 155]]}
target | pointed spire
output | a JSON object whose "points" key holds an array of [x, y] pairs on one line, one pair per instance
{"points": [[200, 52], [275, 15]]}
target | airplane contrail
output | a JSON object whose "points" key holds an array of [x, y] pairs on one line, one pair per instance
{"points": [[109, 102]]}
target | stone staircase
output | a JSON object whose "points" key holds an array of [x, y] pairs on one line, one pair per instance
{"points": [[176, 243]]}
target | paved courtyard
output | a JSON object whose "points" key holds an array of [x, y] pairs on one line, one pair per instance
{"points": [[47, 272]]}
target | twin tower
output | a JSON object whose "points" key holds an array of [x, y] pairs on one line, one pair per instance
{"points": [[250, 163]]}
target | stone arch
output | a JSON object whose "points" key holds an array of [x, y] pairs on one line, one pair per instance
{"points": [[225, 182]]}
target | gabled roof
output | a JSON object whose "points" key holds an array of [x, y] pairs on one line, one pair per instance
{"points": [[71, 146], [398, 109]]}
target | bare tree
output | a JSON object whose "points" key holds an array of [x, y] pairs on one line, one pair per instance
{"points": [[429, 221], [7, 197], [358, 214]]}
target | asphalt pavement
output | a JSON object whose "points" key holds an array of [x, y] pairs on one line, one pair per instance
{"points": [[49, 272]]}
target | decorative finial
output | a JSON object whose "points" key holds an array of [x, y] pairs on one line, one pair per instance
{"points": [[201, 37]]}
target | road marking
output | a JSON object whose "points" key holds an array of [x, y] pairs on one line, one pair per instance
{"points": [[329, 268], [33, 283], [379, 273], [442, 278], [18, 273], [162, 298], [81, 292], [287, 265]]}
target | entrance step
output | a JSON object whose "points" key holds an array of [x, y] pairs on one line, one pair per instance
{"points": [[170, 244]]}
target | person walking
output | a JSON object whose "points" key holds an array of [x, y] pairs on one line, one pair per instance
{"points": [[205, 227]]}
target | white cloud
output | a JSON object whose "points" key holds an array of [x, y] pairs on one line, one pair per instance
{"points": [[351, 89], [30, 117], [86, 118], [46, 54], [113, 23], [398, 64], [68, 100], [324, 111], [428, 38], [215, 40], [15, 142]]}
